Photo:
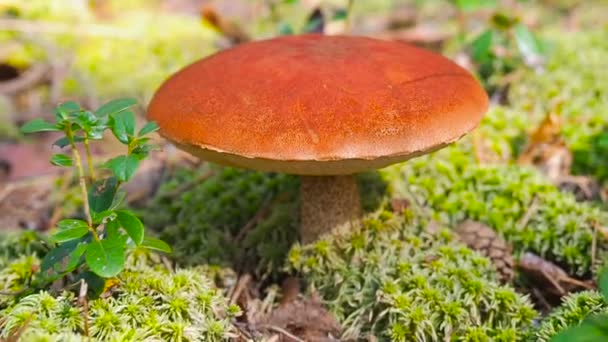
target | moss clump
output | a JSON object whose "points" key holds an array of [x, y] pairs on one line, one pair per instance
{"points": [[203, 222], [559, 228], [14, 245], [397, 281], [150, 303], [573, 310], [591, 156]]}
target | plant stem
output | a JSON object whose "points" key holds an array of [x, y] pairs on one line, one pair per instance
{"points": [[89, 159], [349, 14], [83, 183]]}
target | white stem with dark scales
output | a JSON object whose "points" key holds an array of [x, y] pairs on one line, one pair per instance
{"points": [[328, 204]]}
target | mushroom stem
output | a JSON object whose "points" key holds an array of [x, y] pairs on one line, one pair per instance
{"points": [[328, 204]]}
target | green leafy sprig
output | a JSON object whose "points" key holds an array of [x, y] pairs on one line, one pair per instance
{"points": [[97, 244]]}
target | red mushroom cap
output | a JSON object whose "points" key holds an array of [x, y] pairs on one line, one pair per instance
{"points": [[318, 105]]}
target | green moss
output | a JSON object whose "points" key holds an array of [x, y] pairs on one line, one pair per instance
{"points": [[395, 280], [14, 245], [204, 223], [559, 229], [591, 156], [149, 303], [573, 310]]}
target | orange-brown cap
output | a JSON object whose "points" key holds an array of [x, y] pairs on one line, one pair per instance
{"points": [[318, 105]]}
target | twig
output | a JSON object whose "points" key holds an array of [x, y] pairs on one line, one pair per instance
{"points": [[349, 13], [14, 337], [282, 331], [239, 287], [594, 242], [89, 159], [82, 300], [188, 185], [529, 212], [83, 184], [32, 76], [259, 215], [553, 282], [15, 293], [576, 282]]}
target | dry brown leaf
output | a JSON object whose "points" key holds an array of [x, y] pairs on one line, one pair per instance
{"points": [[547, 149], [549, 276]]}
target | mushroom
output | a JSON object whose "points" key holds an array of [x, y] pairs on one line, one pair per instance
{"points": [[322, 107]]}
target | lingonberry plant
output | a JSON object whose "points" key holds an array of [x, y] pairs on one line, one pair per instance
{"points": [[98, 243]]}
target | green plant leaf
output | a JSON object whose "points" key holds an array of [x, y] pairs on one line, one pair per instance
{"points": [[123, 125], [38, 125], [123, 167], [63, 142], [74, 257], [148, 128], [341, 14], [60, 159], [142, 151], [69, 107], [285, 29], [99, 217], [526, 42], [71, 223], [481, 46], [59, 260], [115, 106], [132, 225], [106, 258], [603, 282], [592, 329], [118, 199], [503, 22], [156, 244], [101, 194], [71, 233], [315, 22], [113, 229]]}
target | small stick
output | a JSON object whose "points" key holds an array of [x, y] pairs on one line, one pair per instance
{"points": [[594, 242], [82, 300], [553, 282], [528, 214], [263, 211], [240, 287], [188, 185]]}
